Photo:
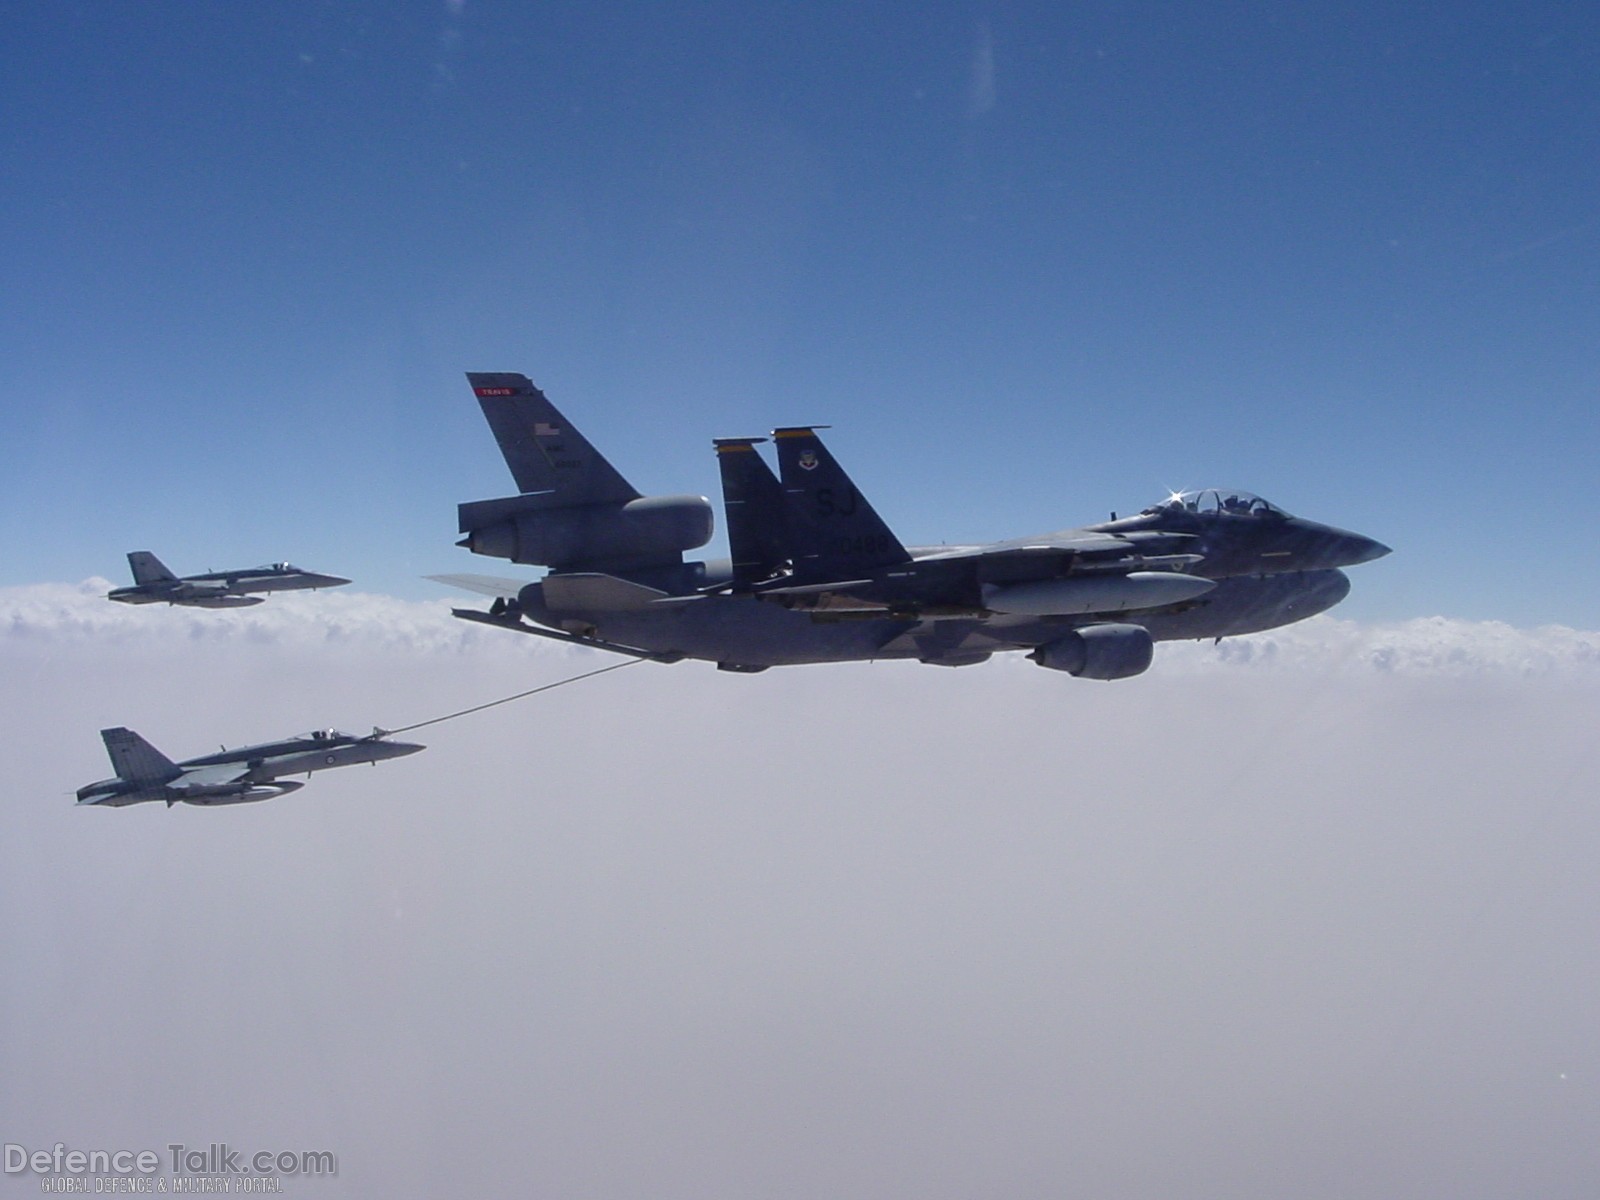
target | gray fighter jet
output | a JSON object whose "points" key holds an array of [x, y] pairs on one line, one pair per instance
{"points": [[840, 553], [231, 776], [815, 575], [154, 584]]}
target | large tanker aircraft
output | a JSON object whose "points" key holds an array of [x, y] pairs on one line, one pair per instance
{"points": [[815, 575]]}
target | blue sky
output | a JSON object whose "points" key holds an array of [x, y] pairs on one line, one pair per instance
{"points": [[1032, 262]]}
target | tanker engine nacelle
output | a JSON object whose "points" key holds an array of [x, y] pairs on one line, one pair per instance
{"points": [[643, 532], [1099, 652]]}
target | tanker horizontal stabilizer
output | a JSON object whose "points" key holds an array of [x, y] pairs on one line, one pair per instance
{"points": [[593, 592], [517, 625], [484, 585]]}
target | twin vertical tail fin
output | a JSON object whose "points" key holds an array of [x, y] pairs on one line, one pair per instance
{"points": [[752, 499], [835, 533], [147, 568], [136, 760]]}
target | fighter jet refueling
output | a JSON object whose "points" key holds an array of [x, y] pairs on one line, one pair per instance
{"points": [[815, 575], [236, 776]]}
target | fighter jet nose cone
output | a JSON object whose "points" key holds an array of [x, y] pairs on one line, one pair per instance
{"points": [[1366, 550]]}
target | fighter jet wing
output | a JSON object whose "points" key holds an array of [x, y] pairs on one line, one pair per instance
{"points": [[205, 585], [209, 778], [1038, 547], [813, 589], [1081, 545]]}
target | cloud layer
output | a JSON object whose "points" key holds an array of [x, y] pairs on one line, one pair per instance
{"points": [[61, 615], [1309, 913]]}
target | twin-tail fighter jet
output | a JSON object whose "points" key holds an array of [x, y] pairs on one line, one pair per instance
{"points": [[815, 575], [238, 776], [154, 584]]}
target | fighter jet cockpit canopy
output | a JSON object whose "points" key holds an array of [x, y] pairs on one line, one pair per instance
{"points": [[1209, 501]]}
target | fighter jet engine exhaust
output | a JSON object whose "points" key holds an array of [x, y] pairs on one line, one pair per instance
{"points": [[1099, 652]]}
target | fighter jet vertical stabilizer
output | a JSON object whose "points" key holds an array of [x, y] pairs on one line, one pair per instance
{"points": [[147, 568], [836, 534], [755, 509]]}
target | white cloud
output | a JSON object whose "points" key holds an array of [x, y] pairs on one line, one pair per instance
{"points": [[1424, 646], [1311, 921], [66, 614]]}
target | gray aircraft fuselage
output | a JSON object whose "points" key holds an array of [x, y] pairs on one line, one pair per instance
{"points": [[740, 632]]}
